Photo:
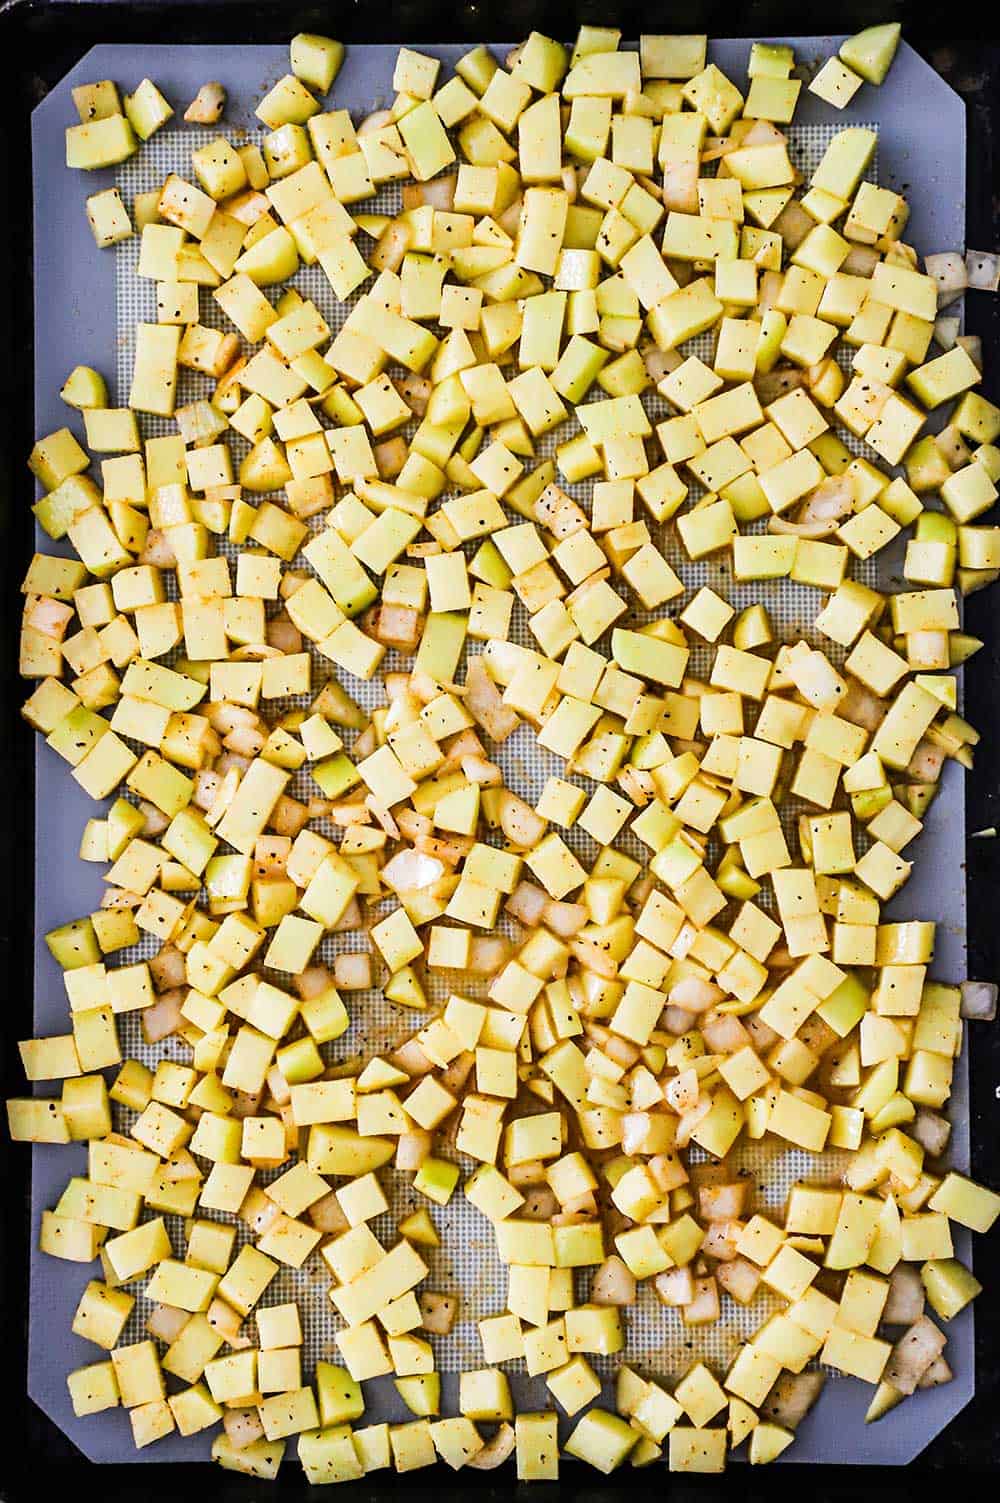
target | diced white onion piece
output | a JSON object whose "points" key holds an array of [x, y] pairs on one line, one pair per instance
{"points": [[410, 870], [861, 261], [243, 1427], [519, 822], [527, 903], [495, 1451], [926, 763], [675, 1287], [510, 220], [166, 1322], [860, 706], [485, 705], [488, 953], [415, 391], [659, 363], [695, 995], [376, 121], [479, 770], [168, 969], [565, 919], [163, 1017], [792, 1397], [724, 1034], [438, 1311], [931, 1131], [979, 1000], [983, 269], [327, 1215], [913, 1354], [390, 247], [690, 1121], [593, 957], [539, 1204], [411, 1058], [953, 446], [793, 224], [948, 270], [704, 1308], [721, 1239], [681, 1092], [635, 1130], [777, 383], [740, 1279], [349, 920], [905, 1303], [676, 1020], [723, 1202], [939, 1372], [440, 193]]}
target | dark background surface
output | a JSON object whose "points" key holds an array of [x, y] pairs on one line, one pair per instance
{"points": [[40, 42]]}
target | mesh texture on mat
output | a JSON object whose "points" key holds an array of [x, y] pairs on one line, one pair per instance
{"points": [[466, 1262]]}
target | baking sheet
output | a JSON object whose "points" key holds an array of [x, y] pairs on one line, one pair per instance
{"points": [[86, 303]]}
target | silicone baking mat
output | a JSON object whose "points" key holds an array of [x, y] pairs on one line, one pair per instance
{"points": [[923, 158]]}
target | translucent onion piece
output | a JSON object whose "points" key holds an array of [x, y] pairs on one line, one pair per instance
{"points": [[410, 870], [913, 1354], [724, 1034], [821, 512], [612, 1283], [983, 268], [682, 1092], [488, 953], [939, 1372], [905, 1302], [979, 1000], [703, 1309], [931, 1131], [949, 272], [390, 248], [676, 1020], [164, 1016], [376, 121], [438, 1311], [485, 705], [792, 1397], [675, 1287], [690, 1121], [243, 1427], [565, 919], [695, 995], [519, 822], [440, 193], [495, 1451], [527, 903], [861, 261], [774, 384]]}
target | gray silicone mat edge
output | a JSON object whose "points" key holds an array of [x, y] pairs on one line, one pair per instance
{"points": [[921, 121]]}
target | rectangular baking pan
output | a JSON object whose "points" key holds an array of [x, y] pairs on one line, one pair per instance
{"points": [[67, 329]]}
